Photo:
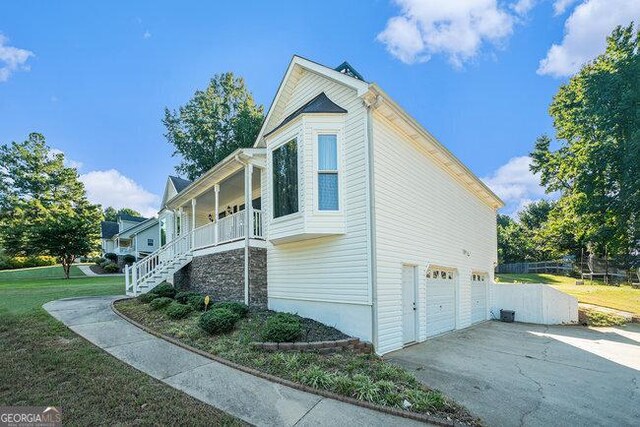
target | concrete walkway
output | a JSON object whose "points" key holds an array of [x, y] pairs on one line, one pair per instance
{"points": [[250, 398], [88, 272]]}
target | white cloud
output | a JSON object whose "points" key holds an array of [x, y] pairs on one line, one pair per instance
{"points": [[457, 29], [560, 6], [12, 59], [516, 185], [522, 7], [111, 188], [585, 33], [146, 35]]}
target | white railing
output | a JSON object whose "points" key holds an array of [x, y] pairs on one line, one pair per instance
{"points": [[144, 268], [226, 230]]}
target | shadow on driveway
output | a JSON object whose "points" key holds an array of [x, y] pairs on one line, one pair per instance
{"points": [[533, 375]]}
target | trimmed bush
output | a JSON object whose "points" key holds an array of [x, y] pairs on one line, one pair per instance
{"points": [[111, 257], [183, 297], [165, 290], [218, 321], [237, 307], [26, 262], [160, 302], [129, 259], [105, 263], [178, 311], [111, 268], [147, 298], [196, 301], [281, 327]]}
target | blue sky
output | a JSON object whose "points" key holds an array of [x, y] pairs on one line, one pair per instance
{"points": [[95, 77]]}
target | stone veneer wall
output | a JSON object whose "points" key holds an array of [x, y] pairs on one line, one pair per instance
{"points": [[221, 276]]}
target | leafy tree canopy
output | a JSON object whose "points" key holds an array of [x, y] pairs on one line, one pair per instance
{"points": [[111, 213], [597, 120], [213, 124], [43, 205]]}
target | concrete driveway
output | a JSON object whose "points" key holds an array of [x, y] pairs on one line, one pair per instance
{"points": [[532, 375]]}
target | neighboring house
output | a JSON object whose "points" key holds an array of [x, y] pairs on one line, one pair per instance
{"points": [[130, 235], [346, 210]]}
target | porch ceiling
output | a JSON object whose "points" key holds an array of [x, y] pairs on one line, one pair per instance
{"points": [[231, 189]]}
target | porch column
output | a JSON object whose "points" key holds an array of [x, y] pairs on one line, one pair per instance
{"points": [[248, 225], [216, 189], [181, 220], [193, 221]]}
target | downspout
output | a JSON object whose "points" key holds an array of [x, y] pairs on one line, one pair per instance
{"points": [[371, 104]]}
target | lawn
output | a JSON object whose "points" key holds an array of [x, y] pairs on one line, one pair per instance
{"points": [[623, 297], [46, 364]]}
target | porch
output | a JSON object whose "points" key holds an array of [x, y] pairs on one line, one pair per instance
{"points": [[221, 207]]}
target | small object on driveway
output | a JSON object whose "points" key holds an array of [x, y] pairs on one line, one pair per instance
{"points": [[507, 316]]}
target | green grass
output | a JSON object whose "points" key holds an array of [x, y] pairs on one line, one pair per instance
{"points": [[33, 273], [623, 297], [599, 318], [362, 376], [46, 364]]}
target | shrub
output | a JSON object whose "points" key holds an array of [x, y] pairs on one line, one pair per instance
{"points": [[196, 301], [237, 307], [98, 260], [25, 262], [111, 257], [315, 376], [178, 311], [183, 297], [129, 259], [218, 321], [165, 290], [160, 302], [111, 268], [426, 400], [105, 263], [147, 298], [281, 327]]}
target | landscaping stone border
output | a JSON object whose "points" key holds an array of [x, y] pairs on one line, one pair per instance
{"points": [[320, 346], [328, 394]]}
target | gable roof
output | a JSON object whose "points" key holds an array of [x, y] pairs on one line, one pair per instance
{"points": [[321, 104], [179, 183], [138, 228], [126, 217], [108, 229]]}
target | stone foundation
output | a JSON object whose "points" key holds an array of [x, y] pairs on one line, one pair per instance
{"points": [[221, 276]]}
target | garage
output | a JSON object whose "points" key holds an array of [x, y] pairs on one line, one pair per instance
{"points": [[478, 297], [441, 300]]}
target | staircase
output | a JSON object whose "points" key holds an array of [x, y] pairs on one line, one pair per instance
{"points": [[160, 266]]}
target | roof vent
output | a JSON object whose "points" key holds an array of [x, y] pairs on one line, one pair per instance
{"points": [[346, 68]]}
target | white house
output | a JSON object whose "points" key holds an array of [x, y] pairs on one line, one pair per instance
{"points": [[346, 210], [130, 235]]}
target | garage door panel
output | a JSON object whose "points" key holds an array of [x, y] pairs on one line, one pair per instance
{"points": [[440, 298]]}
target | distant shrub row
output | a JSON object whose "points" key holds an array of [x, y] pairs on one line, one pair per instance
{"points": [[9, 263]]}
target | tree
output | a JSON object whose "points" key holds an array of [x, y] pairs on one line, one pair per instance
{"points": [[214, 123], [596, 166], [111, 213], [39, 194]]}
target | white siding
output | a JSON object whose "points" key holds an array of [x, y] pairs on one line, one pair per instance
{"points": [[423, 216], [149, 233], [303, 275]]}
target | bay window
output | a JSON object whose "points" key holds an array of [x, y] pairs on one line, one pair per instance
{"points": [[285, 179], [328, 191]]}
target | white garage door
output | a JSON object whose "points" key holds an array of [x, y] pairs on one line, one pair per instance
{"points": [[441, 301], [478, 297]]}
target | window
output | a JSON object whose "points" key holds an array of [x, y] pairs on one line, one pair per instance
{"points": [[285, 179], [163, 232], [328, 194], [149, 242]]}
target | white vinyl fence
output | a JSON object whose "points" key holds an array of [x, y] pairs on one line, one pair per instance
{"points": [[534, 303]]}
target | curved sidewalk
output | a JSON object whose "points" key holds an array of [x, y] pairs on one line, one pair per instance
{"points": [[250, 398]]}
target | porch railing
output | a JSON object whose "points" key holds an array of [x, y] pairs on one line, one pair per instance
{"points": [[227, 229]]}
